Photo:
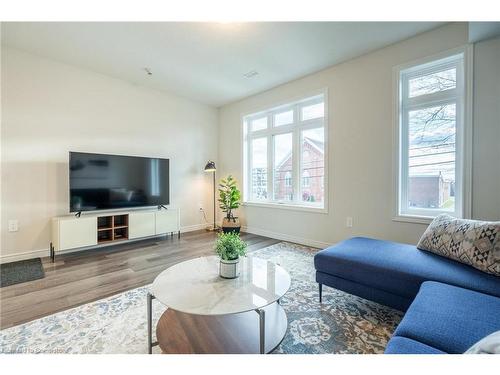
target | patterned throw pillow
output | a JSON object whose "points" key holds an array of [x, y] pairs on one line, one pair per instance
{"points": [[473, 242]]}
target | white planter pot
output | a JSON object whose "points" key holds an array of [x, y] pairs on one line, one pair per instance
{"points": [[229, 269]]}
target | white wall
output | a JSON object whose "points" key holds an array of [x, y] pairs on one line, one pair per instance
{"points": [[360, 109], [486, 146], [49, 108]]}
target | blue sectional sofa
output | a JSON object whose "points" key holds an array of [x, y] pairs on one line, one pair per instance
{"points": [[449, 305]]}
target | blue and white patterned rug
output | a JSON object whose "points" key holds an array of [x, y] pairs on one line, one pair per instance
{"points": [[343, 323]]}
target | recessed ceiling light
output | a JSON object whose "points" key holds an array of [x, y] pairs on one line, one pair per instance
{"points": [[250, 74]]}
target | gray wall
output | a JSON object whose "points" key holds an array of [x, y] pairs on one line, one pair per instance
{"points": [[361, 178], [486, 145]]}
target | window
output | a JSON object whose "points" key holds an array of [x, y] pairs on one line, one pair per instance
{"points": [[284, 152], [259, 168], [305, 179], [283, 165], [258, 124], [431, 138], [283, 118]]}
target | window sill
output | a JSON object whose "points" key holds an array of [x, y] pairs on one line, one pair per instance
{"points": [[413, 219], [283, 206]]}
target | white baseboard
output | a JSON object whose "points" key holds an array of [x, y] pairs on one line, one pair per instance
{"points": [[192, 228], [45, 252], [24, 255], [286, 237], [189, 228]]}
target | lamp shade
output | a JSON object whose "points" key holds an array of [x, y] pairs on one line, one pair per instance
{"points": [[210, 167]]}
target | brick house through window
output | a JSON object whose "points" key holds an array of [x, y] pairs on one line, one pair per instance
{"points": [[311, 180]]}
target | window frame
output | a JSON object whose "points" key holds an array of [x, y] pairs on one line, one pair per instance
{"points": [[461, 58], [295, 128]]}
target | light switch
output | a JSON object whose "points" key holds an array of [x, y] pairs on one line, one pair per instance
{"points": [[348, 222], [13, 225]]}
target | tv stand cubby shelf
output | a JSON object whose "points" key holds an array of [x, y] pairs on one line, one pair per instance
{"points": [[107, 228], [112, 228]]}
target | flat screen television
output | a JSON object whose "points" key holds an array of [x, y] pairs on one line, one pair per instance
{"points": [[105, 182]]}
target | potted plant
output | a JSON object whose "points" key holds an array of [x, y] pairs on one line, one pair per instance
{"points": [[229, 199], [229, 247]]}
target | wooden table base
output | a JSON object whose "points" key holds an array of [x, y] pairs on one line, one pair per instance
{"points": [[181, 333]]}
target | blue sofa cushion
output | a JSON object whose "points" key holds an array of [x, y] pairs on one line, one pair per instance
{"points": [[404, 345], [398, 268], [449, 318]]}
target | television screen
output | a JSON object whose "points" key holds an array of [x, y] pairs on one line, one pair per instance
{"points": [[100, 182]]}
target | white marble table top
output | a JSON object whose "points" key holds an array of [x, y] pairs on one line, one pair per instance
{"points": [[195, 287]]}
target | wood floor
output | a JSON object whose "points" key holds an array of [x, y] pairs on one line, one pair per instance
{"points": [[78, 278]]}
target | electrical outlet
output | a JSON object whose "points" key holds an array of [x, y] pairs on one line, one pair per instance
{"points": [[13, 225], [348, 222]]}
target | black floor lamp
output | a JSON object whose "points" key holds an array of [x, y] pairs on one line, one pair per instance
{"points": [[210, 167]]}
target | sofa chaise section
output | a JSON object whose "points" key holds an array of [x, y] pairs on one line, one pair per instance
{"points": [[391, 273]]}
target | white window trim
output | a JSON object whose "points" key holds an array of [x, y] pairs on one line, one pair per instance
{"points": [[282, 106], [465, 136]]}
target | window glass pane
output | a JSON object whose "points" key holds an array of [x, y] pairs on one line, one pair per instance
{"points": [[283, 164], [435, 82], [297, 171], [283, 118], [259, 168], [259, 124], [313, 111], [431, 158], [312, 162]]}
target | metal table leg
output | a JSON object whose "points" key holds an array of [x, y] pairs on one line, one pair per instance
{"points": [[262, 329], [150, 324], [52, 253]]}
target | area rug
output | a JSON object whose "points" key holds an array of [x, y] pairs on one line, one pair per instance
{"points": [[343, 323]]}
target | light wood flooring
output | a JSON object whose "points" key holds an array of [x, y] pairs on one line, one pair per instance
{"points": [[78, 278]]}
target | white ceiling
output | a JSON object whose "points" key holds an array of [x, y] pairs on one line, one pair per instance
{"points": [[207, 61]]}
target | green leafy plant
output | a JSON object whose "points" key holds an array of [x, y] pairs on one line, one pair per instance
{"points": [[229, 196], [229, 246]]}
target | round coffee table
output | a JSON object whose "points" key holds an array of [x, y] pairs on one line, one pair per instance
{"points": [[208, 314]]}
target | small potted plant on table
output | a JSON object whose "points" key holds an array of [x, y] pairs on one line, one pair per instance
{"points": [[229, 199], [230, 247]]}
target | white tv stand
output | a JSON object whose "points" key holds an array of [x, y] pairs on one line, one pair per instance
{"points": [[72, 232]]}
